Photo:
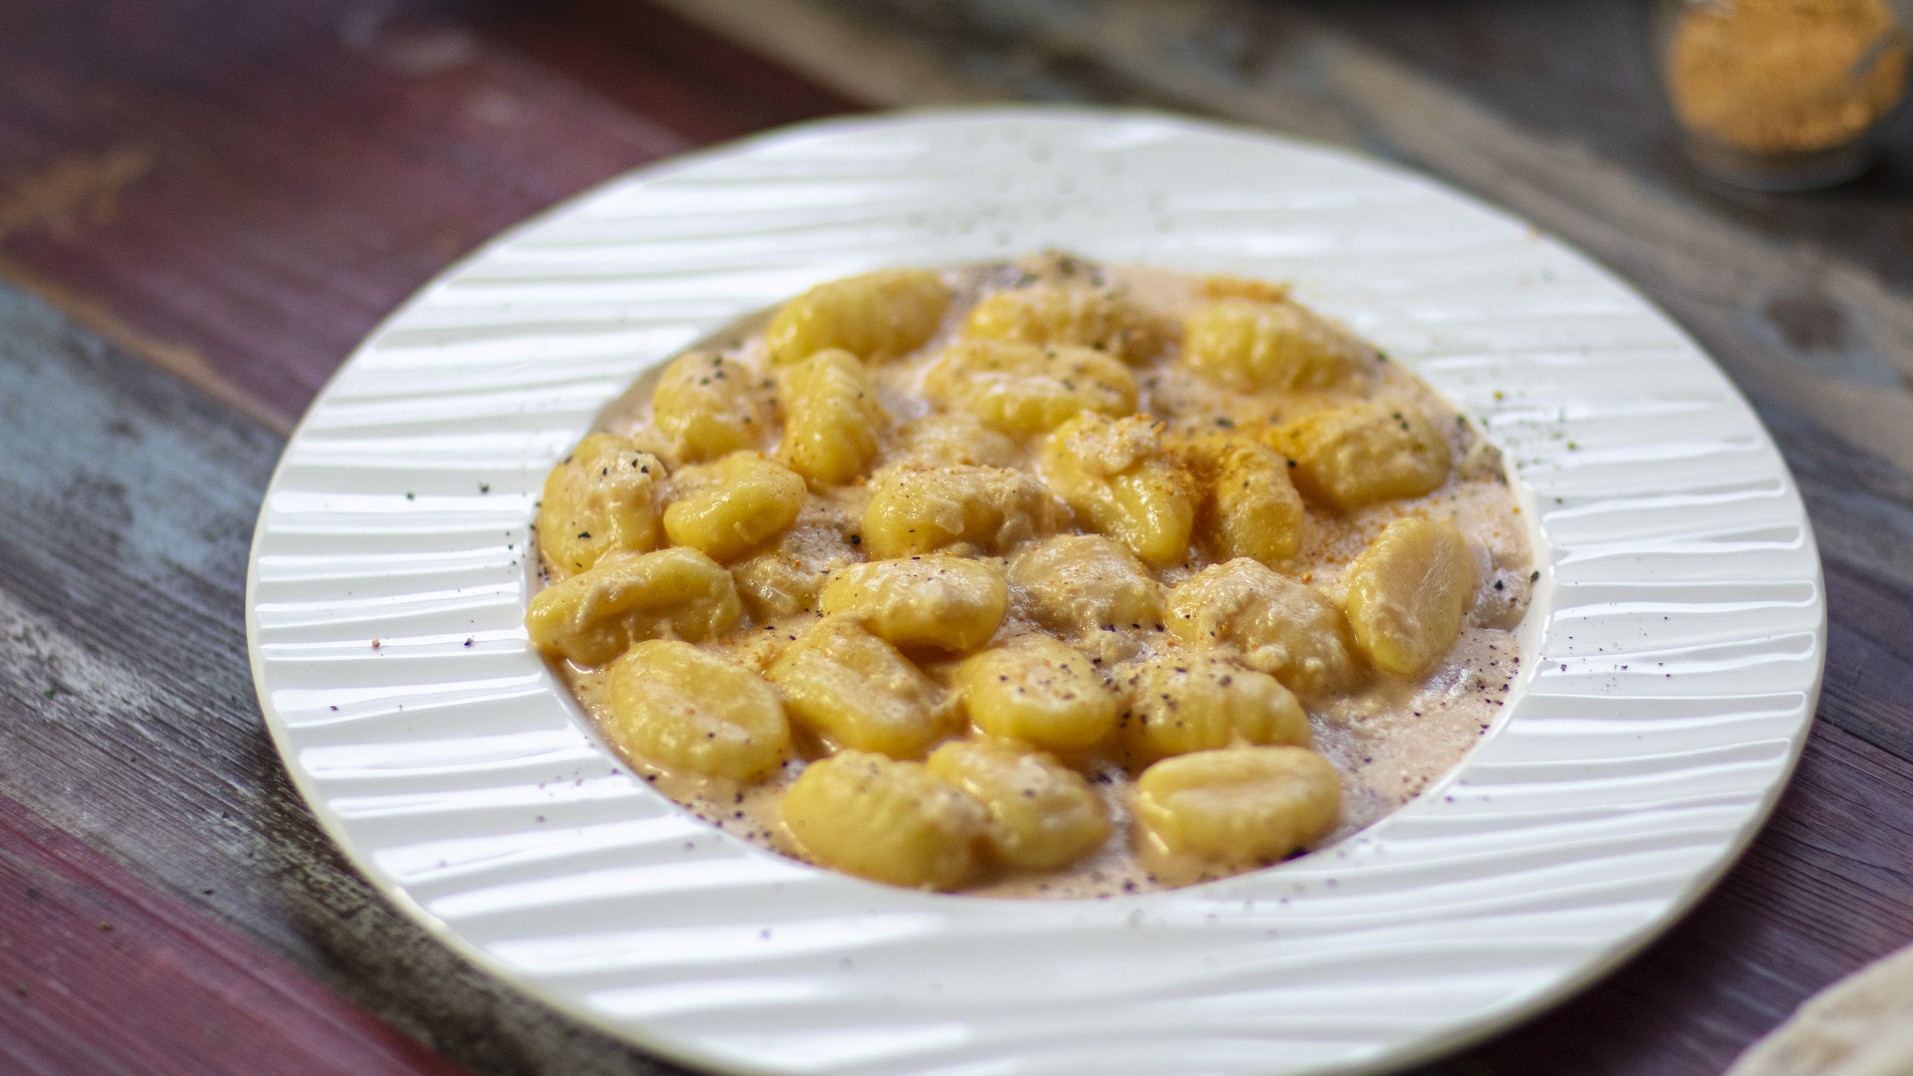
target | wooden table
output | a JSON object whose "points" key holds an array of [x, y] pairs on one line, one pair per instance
{"points": [[204, 204]]}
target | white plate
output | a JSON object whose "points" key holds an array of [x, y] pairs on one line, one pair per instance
{"points": [[1671, 660]]}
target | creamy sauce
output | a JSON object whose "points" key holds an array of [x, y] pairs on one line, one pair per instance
{"points": [[1391, 739]]}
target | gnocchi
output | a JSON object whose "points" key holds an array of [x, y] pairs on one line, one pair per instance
{"points": [[625, 598], [1024, 389], [1087, 317], [855, 690], [1408, 594], [602, 499], [1363, 454], [787, 577], [685, 708], [1039, 691], [953, 603], [960, 508], [1241, 805], [1078, 584], [734, 505], [875, 316], [885, 820], [831, 417], [1043, 814], [1175, 704], [1034, 579], [708, 406], [1116, 474], [1249, 507], [1250, 345], [1287, 629]]}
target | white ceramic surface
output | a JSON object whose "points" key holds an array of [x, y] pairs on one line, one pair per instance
{"points": [[1671, 662]]}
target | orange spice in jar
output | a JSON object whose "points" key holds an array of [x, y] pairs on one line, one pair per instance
{"points": [[1785, 80]]}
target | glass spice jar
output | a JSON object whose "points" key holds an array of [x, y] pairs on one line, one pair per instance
{"points": [[1782, 94]]}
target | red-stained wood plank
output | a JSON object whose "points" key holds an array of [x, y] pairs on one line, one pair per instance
{"points": [[659, 66], [127, 717], [240, 191], [1870, 657], [103, 974]]}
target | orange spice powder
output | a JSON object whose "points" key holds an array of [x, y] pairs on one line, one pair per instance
{"points": [[1786, 76]]}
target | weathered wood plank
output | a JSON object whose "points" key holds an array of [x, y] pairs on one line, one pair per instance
{"points": [[105, 975], [1583, 68], [1869, 687], [127, 717], [239, 193]]}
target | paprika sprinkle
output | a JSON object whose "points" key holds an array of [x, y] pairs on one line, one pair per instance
{"points": [[1786, 76]]}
